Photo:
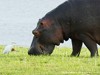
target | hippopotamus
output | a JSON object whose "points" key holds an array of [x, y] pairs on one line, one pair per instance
{"points": [[78, 20]]}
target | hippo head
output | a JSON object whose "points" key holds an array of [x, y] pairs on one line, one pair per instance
{"points": [[47, 34]]}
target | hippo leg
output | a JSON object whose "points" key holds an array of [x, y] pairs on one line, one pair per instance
{"points": [[76, 44], [90, 44]]}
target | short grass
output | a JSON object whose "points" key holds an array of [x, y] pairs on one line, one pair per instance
{"points": [[59, 63]]}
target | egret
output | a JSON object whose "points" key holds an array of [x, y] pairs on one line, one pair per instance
{"points": [[9, 48]]}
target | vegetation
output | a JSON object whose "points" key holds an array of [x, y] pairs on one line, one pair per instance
{"points": [[59, 63]]}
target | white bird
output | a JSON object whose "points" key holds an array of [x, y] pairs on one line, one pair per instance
{"points": [[8, 49]]}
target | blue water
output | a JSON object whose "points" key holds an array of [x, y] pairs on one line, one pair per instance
{"points": [[19, 17]]}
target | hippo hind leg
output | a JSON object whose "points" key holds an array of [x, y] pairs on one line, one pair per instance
{"points": [[90, 44]]}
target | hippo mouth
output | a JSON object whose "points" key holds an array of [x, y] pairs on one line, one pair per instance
{"points": [[40, 49]]}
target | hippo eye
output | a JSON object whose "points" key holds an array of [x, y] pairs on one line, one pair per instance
{"points": [[41, 24]]}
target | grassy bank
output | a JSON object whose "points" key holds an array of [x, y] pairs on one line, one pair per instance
{"points": [[59, 63]]}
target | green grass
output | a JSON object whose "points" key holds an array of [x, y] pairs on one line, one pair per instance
{"points": [[59, 63]]}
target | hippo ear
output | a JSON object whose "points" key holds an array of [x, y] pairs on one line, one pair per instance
{"points": [[40, 20]]}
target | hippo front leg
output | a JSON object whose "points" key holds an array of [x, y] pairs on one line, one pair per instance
{"points": [[76, 44], [90, 44]]}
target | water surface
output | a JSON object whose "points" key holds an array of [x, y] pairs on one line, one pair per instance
{"points": [[19, 17]]}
